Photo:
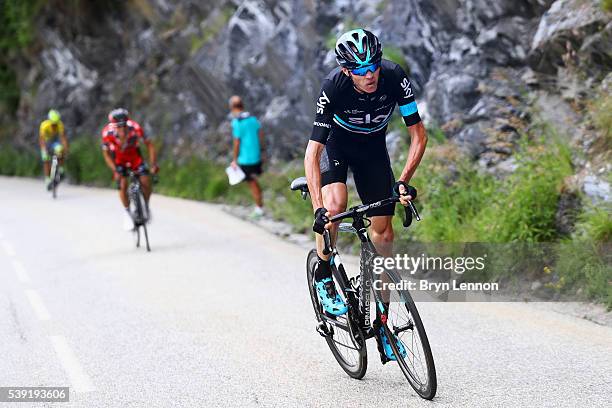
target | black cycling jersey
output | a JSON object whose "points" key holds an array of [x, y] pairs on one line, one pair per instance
{"points": [[340, 108]]}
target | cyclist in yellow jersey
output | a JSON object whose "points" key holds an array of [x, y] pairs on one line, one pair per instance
{"points": [[52, 139]]}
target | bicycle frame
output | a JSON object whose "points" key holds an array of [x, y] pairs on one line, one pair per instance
{"points": [[362, 287], [134, 184]]}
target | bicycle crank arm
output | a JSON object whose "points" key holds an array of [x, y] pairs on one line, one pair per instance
{"points": [[334, 322]]}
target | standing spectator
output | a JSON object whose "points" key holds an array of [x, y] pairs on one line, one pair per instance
{"points": [[247, 148]]}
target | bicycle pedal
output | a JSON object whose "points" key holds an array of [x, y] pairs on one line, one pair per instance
{"points": [[322, 329]]}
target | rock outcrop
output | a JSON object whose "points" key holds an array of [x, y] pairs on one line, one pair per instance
{"points": [[478, 66]]}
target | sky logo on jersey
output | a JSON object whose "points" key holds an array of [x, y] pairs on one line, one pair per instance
{"points": [[323, 100], [368, 119], [407, 88]]}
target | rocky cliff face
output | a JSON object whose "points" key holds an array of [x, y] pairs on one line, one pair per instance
{"points": [[479, 67]]}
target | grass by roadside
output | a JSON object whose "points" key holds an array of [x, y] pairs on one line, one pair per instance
{"points": [[18, 162]]}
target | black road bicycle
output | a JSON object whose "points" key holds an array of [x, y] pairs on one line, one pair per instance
{"points": [[396, 312], [54, 175], [138, 207]]}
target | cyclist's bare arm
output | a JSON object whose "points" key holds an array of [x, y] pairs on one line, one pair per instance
{"points": [[313, 172], [152, 153], [235, 150], [418, 141], [109, 160]]}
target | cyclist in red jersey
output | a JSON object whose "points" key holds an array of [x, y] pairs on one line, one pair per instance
{"points": [[121, 139]]}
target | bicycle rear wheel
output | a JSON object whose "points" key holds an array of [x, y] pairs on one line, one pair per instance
{"points": [[137, 232], [404, 322], [343, 336]]}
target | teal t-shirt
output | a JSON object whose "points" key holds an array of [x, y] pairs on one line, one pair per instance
{"points": [[246, 128]]}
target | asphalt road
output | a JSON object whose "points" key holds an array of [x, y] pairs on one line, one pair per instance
{"points": [[219, 315]]}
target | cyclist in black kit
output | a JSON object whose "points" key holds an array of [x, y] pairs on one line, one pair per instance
{"points": [[353, 110]]}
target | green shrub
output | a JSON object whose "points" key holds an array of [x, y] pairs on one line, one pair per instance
{"points": [[17, 162], [284, 204], [595, 224], [194, 178], [17, 23], [606, 5], [526, 206], [581, 264], [85, 163], [16, 33], [452, 203], [9, 89]]}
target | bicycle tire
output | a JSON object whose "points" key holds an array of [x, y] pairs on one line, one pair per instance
{"points": [[53, 177], [427, 389], [358, 368], [144, 211], [146, 235]]}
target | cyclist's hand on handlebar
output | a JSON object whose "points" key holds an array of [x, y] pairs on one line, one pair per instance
{"points": [[321, 221], [405, 192], [155, 169]]}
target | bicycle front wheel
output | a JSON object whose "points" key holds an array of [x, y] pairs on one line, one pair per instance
{"points": [[53, 176], [343, 336], [404, 323]]}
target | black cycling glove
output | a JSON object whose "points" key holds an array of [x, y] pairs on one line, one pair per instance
{"points": [[320, 220], [411, 191]]}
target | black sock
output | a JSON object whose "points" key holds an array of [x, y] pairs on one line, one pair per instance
{"points": [[323, 269]]}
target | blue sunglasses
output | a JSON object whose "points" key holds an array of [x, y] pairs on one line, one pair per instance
{"points": [[364, 70]]}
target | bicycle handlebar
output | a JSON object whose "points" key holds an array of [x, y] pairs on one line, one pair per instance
{"points": [[299, 184], [410, 210], [360, 210]]}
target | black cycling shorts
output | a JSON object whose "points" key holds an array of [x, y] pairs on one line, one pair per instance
{"points": [[368, 159], [141, 170], [251, 170]]}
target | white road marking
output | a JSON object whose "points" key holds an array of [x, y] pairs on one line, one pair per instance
{"points": [[37, 304], [22, 274], [79, 380], [8, 248]]}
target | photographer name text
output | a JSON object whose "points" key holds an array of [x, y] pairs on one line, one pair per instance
{"points": [[426, 285]]}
